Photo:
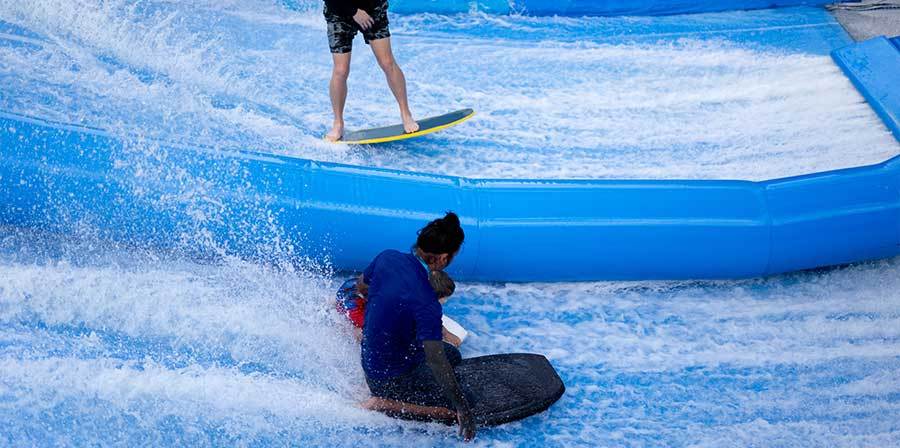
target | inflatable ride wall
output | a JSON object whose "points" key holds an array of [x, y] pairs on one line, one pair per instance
{"points": [[61, 178]]}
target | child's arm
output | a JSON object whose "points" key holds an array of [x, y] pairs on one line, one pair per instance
{"points": [[452, 327], [450, 338], [361, 286]]}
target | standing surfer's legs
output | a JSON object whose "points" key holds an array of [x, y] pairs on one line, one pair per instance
{"points": [[337, 89], [395, 79]]}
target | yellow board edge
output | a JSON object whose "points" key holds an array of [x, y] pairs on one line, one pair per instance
{"points": [[405, 136]]}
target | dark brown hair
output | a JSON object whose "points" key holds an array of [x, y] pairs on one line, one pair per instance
{"points": [[443, 285], [441, 236]]}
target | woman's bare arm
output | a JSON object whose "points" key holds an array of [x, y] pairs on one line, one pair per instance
{"points": [[393, 407]]}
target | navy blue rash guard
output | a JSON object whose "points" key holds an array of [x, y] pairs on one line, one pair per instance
{"points": [[402, 311]]}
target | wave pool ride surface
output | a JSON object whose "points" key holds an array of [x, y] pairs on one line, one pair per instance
{"points": [[148, 106]]}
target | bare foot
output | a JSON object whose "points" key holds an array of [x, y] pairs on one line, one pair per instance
{"points": [[410, 125], [337, 131]]}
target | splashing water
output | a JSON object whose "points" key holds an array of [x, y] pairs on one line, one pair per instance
{"points": [[161, 348]]}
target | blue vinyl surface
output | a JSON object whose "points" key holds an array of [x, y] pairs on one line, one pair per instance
{"points": [[874, 68], [578, 229], [591, 7]]}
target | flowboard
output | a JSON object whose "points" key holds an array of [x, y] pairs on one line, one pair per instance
{"points": [[502, 388], [396, 132], [509, 387]]}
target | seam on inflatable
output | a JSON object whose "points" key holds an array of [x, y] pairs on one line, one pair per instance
{"points": [[470, 193], [763, 192]]}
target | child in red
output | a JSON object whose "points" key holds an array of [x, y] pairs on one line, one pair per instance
{"points": [[351, 302]]}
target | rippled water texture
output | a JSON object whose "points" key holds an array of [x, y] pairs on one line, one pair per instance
{"points": [[111, 344], [105, 345]]}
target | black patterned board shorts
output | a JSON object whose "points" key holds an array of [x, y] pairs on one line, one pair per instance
{"points": [[342, 30]]}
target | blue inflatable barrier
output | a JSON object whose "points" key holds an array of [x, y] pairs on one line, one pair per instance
{"points": [[60, 177], [874, 68], [591, 7]]}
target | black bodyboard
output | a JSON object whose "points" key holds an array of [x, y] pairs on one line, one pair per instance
{"points": [[503, 388], [509, 387]]}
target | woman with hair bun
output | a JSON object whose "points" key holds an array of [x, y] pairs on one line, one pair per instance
{"points": [[409, 369]]}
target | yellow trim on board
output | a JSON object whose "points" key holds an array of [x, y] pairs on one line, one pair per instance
{"points": [[406, 136]]}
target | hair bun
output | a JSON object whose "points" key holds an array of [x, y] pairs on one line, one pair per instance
{"points": [[450, 221], [441, 236]]}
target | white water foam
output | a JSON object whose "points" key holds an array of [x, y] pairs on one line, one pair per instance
{"points": [[159, 347]]}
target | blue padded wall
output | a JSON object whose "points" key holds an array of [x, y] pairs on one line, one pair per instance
{"points": [[61, 177]]}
